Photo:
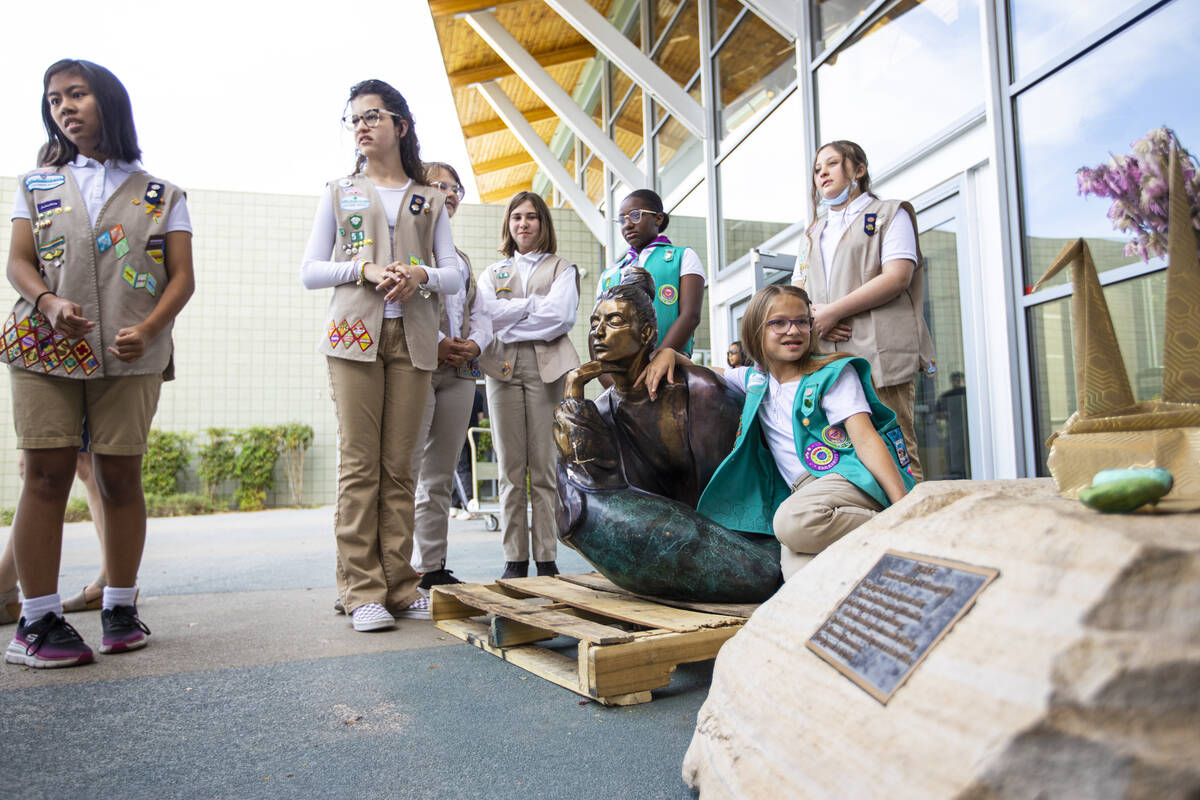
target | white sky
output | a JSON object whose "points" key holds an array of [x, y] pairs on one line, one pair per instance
{"points": [[229, 95]]}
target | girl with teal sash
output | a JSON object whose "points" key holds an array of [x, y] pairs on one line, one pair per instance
{"points": [[679, 276], [817, 454]]}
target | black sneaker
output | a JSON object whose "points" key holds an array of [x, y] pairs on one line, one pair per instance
{"points": [[515, 569], [123, 630], [437, 577], [50, 642], [547, 568]]}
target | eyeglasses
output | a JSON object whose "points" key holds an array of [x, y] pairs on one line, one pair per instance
{"points": [[634, 216], [453, 188], [781, 325], [372, 116]]}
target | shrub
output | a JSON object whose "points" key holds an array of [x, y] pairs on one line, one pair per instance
{"points": [[178, 505], [294, 439], [218, 460], [258, 450], [167, 455]]}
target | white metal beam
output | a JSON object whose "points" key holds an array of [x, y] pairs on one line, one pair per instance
{"points": [[533, 144], [527, 68], [633, 62]]}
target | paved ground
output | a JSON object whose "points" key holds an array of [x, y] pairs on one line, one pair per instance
{"points": [[253, 687]]}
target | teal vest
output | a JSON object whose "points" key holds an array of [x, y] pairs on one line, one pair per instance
{"points": [[747, 488], [663, 265]]}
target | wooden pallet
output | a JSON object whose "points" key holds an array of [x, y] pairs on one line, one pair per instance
{"points": [[627, 645]]}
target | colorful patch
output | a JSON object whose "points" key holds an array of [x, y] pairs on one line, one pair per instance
{"points": [[153, 197], [415, 261], [49, 361], [70, 363], [343, 329], [104, 241], [470, 369], [356, 221], [502, 275], [354, 202], [90, 364], [130, 275], [503, 290], [117, 233], [869, 224], [154, 248], [506, 369], [819, 457], [41, 181], [358, 236], [669, 255], [365, 341], [334, 336], [52, 249], [121, 248], [30, 356], [896, 437], [416, 204], [13, 352], [151, 285], [667, 295], [755, 379], [47, 206], [140, 283], [836, 437], [358, 329]]}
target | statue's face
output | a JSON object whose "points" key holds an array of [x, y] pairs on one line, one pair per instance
{"points": [[616, 335]]}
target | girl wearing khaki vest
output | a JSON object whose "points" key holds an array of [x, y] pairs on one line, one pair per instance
{"points": [[376, 238], [860, 263], [533, 298], [102, 259]]}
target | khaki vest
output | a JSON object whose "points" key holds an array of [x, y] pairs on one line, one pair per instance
{"points": [[554, 358], [115, 271], [355, 314], [892, 337]]}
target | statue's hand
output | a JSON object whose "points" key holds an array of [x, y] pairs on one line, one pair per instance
{"points": [[663, 364], [578, 378]]}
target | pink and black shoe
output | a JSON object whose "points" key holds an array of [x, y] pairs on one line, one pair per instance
{"points": [[48, 643], [123, 631]]}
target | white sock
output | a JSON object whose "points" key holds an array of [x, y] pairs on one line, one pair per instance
{"points": [[118, 597], [34, 608]]}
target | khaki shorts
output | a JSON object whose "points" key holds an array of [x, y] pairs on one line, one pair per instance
{"points": [[48, 411]]}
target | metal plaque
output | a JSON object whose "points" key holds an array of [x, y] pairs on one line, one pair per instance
{"points": [[895, 615]]}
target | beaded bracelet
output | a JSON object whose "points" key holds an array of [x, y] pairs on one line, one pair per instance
{"points": [[39, 299]]}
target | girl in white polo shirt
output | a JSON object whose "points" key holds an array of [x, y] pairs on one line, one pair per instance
{"points": [[102, 259], [861, 266]]}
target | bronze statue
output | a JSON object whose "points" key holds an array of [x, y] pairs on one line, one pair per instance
{"points": [[631, 471]]}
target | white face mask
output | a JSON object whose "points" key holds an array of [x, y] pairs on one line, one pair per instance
{"points": [[842, 197]]}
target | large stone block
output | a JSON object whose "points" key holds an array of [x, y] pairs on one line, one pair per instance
{"points": [[1076, 674]]}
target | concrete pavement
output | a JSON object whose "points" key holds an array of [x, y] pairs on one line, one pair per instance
{"points": [[253, 687]]}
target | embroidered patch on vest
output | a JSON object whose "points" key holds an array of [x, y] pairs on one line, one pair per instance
{"points": [[121, 248], [41, 181], [836, 437], [669, 254], [356, 221], [154, 192], [503, 290], [354, 202], [755, 380], [896, 437], [52, 249], [506, 369], [154, 248], [343, 330], [416, 204], [358, 237], [334, 336], [667, 295], [47, 206], [869, 224], [104, 241], [819, 457]]}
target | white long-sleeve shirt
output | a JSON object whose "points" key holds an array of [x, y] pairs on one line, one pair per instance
{"points": [[317, 271], [481, 322], [537, 318]]}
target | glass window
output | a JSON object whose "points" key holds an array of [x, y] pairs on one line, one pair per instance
{"points": [[831, 18], [679, 155], [679, 55], [687, 225], [759, 195], [1041, 30], [1137, 308], [1089, 109], [753, 67], [628, 125], [903, 79], [726, 11]]}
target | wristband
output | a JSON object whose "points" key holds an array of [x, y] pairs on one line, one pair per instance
{"points": [[361, 263], [39, 299]]}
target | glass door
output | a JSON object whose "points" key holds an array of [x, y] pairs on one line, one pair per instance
{"points": [[942, 411]]}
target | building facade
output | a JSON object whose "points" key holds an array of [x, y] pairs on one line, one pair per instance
{"points": [[978, 111]]}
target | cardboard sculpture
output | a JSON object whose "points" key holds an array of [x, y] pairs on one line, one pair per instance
{"points": [[1110, 430]]}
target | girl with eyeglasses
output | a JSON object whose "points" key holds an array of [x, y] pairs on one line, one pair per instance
{"points": [[101, 257], [533, 298], [465, 330], [679, 277], [381, 239], [817, 454], [861, 265]]}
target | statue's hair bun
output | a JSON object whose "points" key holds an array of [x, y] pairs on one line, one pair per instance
{"points": [[640, 278]]}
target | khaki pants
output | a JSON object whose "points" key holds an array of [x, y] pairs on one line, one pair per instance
{"points": [[522, 412], [901, 398], [818, 513], [379, 405], [439, 442]]}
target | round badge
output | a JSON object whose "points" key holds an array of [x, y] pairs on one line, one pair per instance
{"points": [[835, 436], [667, 295], [819, 457]]}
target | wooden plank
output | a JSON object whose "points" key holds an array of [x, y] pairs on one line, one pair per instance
{"points": [[446, 606], [448, 8], [547, 664], [623, 607], [503, 162], [499, 69], [495, 125], [491, 602], [649, 662], [503, 632], [594, 580]]}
